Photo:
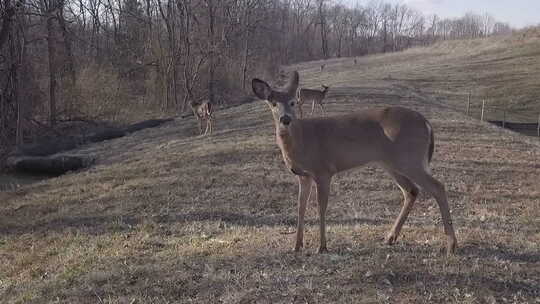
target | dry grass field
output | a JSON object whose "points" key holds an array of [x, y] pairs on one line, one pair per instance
{"points": [[166, 216]]}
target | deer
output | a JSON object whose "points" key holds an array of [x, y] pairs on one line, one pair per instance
{"points": [[315, 96], [203, 111], [315, 149]]}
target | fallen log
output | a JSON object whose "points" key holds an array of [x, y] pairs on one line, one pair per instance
{"points": [[42, 157], [107, 134], [152, 123], [50, 165], [515, 125], [47, 147]]}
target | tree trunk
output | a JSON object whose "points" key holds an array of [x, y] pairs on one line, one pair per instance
{"points": [[16, 60], [52, 67], [340, 39], [385, 36], [67, 46], [322, 21], [6, 23], [212, 51], [245, 61], [246, 48], [184, 9]]}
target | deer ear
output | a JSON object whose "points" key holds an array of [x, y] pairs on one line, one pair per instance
{"points": [[292, 86], [261, 89]]}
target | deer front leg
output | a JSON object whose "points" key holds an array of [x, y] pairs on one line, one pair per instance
{"points": [[323, 189], [200, 127], [207, 126], [300, 103], [304, 191]]}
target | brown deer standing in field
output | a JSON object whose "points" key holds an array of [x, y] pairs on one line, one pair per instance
{"points": [[203, 111], [315, 149], [315, 96]]}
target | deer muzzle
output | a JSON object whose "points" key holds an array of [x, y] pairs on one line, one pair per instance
{"points": [[285, 120]]}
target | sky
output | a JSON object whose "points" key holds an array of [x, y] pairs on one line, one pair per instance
{"points": [[518, 13]]}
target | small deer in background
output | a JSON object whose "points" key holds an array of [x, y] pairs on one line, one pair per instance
{"points": [[316, 96], [203, 111]]}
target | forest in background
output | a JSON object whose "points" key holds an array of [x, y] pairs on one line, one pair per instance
{"points": [[122, 60]]}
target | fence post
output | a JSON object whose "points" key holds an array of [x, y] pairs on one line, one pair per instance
{"points": [[468, 103], [504, 114], [538, 126], [483, 106]]}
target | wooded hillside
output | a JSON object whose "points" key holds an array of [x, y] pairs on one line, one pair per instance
{"points": [[121, 60]]}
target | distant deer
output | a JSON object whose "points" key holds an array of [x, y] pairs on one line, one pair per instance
{"points": [[203, 111], [315, 96], [315, 149]]}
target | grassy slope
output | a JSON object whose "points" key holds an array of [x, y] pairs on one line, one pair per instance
{"points": [[165, 216], [502, 70]]}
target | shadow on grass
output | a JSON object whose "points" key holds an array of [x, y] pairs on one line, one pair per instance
{"points": [[260, 220], [482, 251], [95, 225], [463, 281], [286, 277]]}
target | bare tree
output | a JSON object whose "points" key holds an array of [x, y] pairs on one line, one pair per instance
{"points": [[49, 10], [321, 9], [169, 18]]}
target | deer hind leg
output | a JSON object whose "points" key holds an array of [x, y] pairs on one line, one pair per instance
{"points": [[322, 108], [304, 192], [410, 192], [208, 126], [435, 188], [323, 190]]}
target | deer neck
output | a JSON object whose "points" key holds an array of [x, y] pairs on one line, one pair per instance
{"points": [[291, 143]]}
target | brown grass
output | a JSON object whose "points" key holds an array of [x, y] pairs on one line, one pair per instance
{"points": [[168, 217]]}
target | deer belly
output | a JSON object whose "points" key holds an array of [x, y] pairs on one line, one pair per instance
{"points": [[297, 171], [346, 159]]}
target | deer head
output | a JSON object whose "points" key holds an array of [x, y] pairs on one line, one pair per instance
{"points": [[281, 102]]}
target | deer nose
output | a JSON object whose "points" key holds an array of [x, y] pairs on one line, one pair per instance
{"points": [[286, 120]]}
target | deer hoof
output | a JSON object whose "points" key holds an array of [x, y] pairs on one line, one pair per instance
{"points": [[451, 245], [390, 239]]}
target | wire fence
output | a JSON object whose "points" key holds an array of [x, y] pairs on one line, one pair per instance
{"points": [[523, 121]]}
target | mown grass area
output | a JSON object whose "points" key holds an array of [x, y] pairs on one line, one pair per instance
{"points": [[166, 216]]}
